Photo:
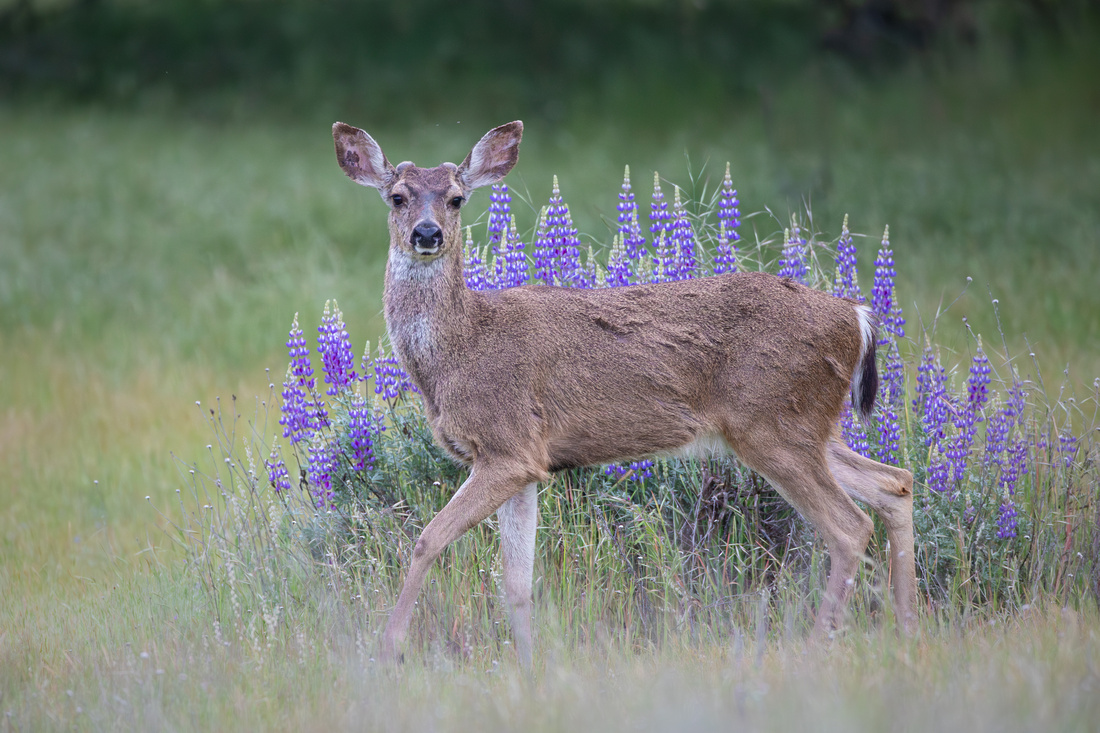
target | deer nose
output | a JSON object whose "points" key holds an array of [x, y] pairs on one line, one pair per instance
{"points": [[427, 237]]}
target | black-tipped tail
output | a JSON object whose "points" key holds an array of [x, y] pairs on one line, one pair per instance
{"points": [[865, 388]]}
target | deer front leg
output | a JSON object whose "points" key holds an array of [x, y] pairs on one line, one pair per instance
{"points": [[518, 519], [487, 488]]}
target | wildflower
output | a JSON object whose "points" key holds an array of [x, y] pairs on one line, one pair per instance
{"points": [[725, 256], [638, 470], [728, 213], [659, 216], [557, 249], [1067, 447], [473, 268], [882, 292], [889, 419], [515, 260], [277, 475], [846, 284], [855, 435], [334, 346], [683, 240], [629, 229], [664, 259], [302, 413], [1006, 519], [499, 213], [321, 471], [618, 266], [363, 427], [792, 263], [390, 380], [970, 414]]}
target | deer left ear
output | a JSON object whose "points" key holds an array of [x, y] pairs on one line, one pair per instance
{"points": [[493, 156]]}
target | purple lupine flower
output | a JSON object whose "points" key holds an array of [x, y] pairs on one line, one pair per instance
{"points": [[792, 263], [618, 266], [363, 427], [297, 409], [277, 475], [500, 208], [302, 412], [659, 216], [587, 275], [664, 258], [1006, 519], [568, 248], [544, 250], [889, 419], [853, 432], [970, 414], [932, 401], [473, 268], [638, 470], [515, 259], [390, 380], [725, 256], [629, 229], [557, 249], [846, 284], [334, 346], [728, 213], [939, 471], [1067, 447], [321, 471], [683, 239], [882, 292]]}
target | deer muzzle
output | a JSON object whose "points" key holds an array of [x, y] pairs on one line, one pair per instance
{"points": [[427, 238]]}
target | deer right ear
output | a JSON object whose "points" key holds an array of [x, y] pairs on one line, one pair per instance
{"points": [[360, 157], [493, 156]]}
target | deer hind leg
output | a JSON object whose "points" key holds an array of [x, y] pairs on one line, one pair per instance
{"points": [[518, 518], [889, 492], [801, 476], [486, 489]]}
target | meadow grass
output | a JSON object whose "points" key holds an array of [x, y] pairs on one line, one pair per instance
{"points": [[150, 259]]}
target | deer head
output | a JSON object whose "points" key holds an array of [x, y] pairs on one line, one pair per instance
{"points": [[425, 202]]}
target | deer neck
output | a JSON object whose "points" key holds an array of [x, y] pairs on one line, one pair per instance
{"points": [[427, 307]]}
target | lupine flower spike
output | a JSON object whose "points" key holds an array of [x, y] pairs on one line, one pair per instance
{"points": [[792, 263], [618, 266], [473, 268], [334, 346], [659, 216], [846, 284], [728, 213], [683, 239], [882, 293], [629, 229]]}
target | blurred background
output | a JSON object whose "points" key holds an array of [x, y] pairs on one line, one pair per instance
{"points": [[169, 198]]}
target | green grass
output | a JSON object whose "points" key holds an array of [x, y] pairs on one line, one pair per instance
{"points": [[149, 259]]}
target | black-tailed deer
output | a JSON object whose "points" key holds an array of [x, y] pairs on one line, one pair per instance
{"points": [[522, 382]]}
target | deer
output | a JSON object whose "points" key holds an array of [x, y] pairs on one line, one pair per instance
{"points": [[523, 382]]}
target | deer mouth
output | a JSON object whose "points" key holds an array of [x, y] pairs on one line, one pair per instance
{"points": [[426, 250]]}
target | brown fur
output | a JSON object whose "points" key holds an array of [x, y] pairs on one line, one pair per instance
{"points": [[521, 382]]}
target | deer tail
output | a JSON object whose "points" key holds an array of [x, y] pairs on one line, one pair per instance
{"points": [[865, 377]]}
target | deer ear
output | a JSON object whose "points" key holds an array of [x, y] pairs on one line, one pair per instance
{"points": [[493, 156], [360, 157]]}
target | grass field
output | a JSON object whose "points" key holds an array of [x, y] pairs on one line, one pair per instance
{"points": [[150, 259]]}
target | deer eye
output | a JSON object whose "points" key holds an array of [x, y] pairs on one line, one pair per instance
{"points": [[397, 199], [457, 202]]}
